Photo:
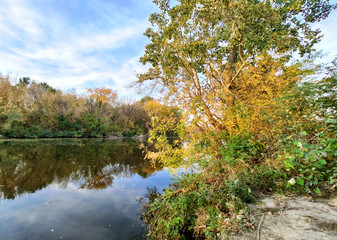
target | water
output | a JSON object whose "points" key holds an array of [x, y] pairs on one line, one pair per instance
{"points": [[73, 189]]}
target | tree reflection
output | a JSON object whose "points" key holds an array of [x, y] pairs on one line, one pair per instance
{"points": [[27, 166]]}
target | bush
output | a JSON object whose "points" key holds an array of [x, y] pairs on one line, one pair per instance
{"points": [[206, 203]]}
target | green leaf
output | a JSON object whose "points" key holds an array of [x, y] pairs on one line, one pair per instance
{"points": [[304, 133], [288, 165], [300, 181], [322, 161], [317, 191]]}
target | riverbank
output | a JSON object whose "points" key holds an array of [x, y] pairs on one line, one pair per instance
{"points": [[293, 217], [206, 204], [112, 137]]}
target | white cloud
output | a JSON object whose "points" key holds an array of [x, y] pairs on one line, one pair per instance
{"points": [[46, 46], [115, 78], [49, 49], [21, 17], [329, 30]]}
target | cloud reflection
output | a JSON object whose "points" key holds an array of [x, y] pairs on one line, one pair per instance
{"points": [[49, 201]]}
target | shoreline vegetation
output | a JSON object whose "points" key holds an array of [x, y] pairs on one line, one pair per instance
{"points": [[29, 109], [255, 119], [113, 137]]}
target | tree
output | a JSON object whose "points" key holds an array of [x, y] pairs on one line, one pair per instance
{"points": [[228, 66], [224, 61], [165, 121], [103, 95], [25, 81], [12, 104]]}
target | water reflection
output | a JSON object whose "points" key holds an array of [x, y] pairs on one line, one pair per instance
{"points": [[27, 166], [73, 189]]}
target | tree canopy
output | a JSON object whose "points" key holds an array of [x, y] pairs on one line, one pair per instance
{"points": [[225, 63], [254, 118], [210, 57], [29, 109]]}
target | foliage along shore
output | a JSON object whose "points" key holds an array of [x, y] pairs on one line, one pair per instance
{"points": [[29, 109], [255, 119], [144, 137]]}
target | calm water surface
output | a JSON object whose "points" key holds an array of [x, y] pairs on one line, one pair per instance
{"points": [[73, 189]]}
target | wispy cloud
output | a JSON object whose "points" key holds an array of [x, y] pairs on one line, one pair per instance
{"points": [[85, 44], [98, 51], [329, 30]]}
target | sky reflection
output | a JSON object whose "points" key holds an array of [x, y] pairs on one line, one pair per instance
{"points": [[66, 208]]}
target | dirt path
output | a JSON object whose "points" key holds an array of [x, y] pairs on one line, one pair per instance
{"points": [[290, 218]]}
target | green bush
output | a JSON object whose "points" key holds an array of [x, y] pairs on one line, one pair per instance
{"points": [[205, 203]]}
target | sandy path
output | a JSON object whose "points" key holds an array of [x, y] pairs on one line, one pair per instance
{"points": [[290, 218]]}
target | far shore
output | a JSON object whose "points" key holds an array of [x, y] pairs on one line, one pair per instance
{"points": [[136, 137]]}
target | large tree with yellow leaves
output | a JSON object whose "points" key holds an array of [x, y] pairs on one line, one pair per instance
{"points": [[224, 61]]}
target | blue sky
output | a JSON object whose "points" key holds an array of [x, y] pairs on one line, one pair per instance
{"points": [[80, 44]]}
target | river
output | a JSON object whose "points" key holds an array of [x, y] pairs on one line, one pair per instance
{"points": [[74, 189]]}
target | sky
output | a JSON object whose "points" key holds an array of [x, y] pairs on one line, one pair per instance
{"points": [[81, 44]]}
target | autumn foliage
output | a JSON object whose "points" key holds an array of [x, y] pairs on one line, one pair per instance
{"points": [[253, 117], [103, 95], [29, 109]]}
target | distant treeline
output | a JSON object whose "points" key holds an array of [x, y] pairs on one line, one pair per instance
{"points": [[29, 109]]}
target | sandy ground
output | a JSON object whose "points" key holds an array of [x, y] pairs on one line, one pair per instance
{"points": [[287, 218]]}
